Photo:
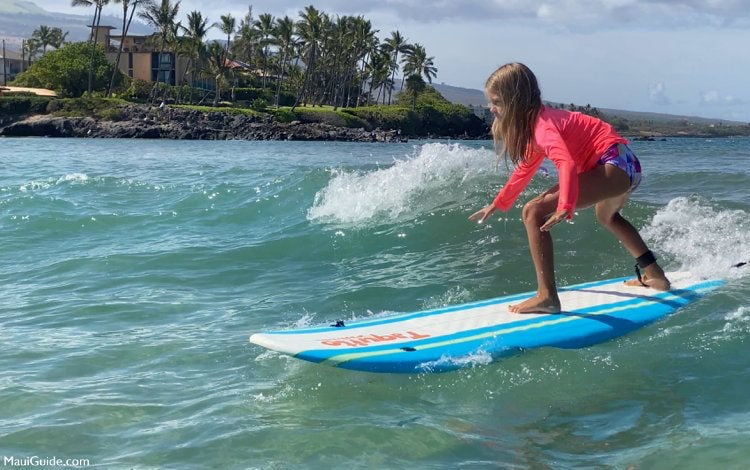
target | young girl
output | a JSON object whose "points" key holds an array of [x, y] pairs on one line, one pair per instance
{"points": [[595, 167]]}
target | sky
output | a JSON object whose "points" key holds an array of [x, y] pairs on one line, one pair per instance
{"points": [[686, 57]]}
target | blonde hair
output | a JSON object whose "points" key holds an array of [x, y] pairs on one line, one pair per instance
{"points": [[520, 100]]}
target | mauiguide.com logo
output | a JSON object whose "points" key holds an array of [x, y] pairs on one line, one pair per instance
{"points": [[36, 461]]}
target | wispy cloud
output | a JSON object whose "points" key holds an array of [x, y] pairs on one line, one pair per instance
{"points": [[595, 13], [658, 94], [716, 98]]}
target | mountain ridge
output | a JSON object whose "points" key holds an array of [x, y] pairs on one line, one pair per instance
{"points": [[19, 19], [474, 97]]}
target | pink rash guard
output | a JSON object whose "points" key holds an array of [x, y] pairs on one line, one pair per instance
{"points": [[573, 141]]}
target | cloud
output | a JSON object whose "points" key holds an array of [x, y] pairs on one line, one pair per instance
{"points": [[715, 98], [578, 16], [658, 94], [594, 13]]}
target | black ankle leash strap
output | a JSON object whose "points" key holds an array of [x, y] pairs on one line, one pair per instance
{"points": [[642, 261]]}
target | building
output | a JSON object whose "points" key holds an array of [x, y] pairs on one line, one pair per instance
{"points": [[141, 58], [11, 64]]}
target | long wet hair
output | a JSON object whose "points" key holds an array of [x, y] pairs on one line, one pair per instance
{"points": [[515, 90]]}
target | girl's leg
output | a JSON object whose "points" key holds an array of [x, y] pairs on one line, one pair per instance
{"points": [[603, 183], [534, 214], [608, 214]]}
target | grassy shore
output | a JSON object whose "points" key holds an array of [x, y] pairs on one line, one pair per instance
{"points": [[435, 118]]}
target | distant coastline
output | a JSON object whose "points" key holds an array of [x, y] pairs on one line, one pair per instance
{"points": [[25, 116]]}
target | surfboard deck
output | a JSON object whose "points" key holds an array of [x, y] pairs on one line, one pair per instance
{"points": [[447, 338]]}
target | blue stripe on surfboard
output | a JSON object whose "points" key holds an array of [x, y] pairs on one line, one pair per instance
{"points": [[579, 332], [677, 301], [438, 311], [544, 331]]}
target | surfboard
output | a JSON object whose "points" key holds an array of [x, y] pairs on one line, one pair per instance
{"points": [[448, 338]]}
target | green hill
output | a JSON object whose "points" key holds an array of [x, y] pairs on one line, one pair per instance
{"points": [[20, 7], [19, 19]]}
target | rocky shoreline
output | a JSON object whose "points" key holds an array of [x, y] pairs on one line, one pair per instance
{"points": [[142, 122]]}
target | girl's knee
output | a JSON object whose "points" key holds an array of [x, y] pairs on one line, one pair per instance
{"points": [[533, 212], [605, 218]]}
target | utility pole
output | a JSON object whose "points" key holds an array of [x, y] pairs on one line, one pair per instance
{"points": [[5, 74]]}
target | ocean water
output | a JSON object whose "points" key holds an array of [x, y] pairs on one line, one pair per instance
{"points": [[133, 272]]}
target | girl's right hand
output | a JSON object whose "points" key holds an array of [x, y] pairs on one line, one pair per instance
{"points": [[483, 214]]}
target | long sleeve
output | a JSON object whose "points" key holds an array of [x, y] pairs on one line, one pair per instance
{"points": [[574, 142], [516, 183], [553, 145]]}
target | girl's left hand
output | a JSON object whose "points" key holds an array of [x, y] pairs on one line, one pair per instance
{"points": [[553, 220], [483, 214]]}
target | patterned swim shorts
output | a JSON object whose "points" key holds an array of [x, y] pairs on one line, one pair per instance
{"points": [[623, 158]]}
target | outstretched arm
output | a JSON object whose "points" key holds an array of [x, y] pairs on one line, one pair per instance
{"points": [[483, 214]]}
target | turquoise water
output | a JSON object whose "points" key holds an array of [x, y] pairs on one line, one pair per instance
{"points": [[133, 272]]}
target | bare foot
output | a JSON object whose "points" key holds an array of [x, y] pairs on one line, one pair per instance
{"points": [[658, 283], [536, 305]]}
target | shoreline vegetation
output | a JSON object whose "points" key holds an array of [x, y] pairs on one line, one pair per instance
{"points": [[314, 77], [26, 115], [23, 116]]}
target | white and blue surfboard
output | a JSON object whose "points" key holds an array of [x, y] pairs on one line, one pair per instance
{"points": [[443, 339]]}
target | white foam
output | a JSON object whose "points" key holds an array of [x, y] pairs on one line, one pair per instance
{"points": [[73, 178], [352, 196], [702, 238], [737, 322], [478, 358]]}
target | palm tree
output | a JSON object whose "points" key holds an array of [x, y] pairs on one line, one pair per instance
{"points": [[98, 6], [97, 10], [31, 48], [217, 67], [161, 16], [379, 70], [310, 32], [246, 39], [417, 62], [365, 42], [58, 37], [43, 36], [342, 62], [264, 25], [227, 26], [395, 45], [284, 36], [129, 8], [414, 86], [195, 33]]}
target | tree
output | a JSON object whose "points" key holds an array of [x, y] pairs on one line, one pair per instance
{"points": [[31, 48], [65, 70], [44, 37], [227, 26], [417, 62], [161, 16], [98, 6], [264, 25], [283, 34], [379, 70], [195, 34], [414, 86], [217, 67], [310, 32], [246, 39], [129, 8], [58, 37], [395, 45], [365, 42]]}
